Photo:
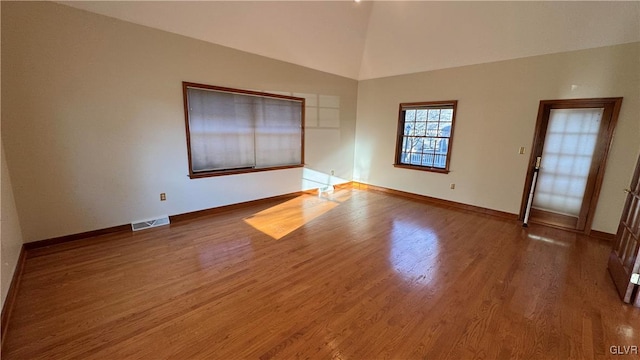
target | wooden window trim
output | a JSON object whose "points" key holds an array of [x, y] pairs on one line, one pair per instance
{"points": [[400, 135], [205, 174], [421, 168], [200, 175]]}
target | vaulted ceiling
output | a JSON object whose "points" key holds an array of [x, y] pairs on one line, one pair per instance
{"points": [[371, 39]]}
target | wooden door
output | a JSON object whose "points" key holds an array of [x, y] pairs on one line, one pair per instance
{"points": [[624, 262], [573, 138]]}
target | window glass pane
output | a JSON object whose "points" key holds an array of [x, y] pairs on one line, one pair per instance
{"points": [[411, 144], [410, 115], [572, 127], [552, 162], [444, 129], [432, 129], [439, 160], [434, 114], [427, 159], [581, 164], [404, 157], [430, 144], [409, 128], [421, 115], [442, 147], [566, 159], [446, 114], [425, 136]]}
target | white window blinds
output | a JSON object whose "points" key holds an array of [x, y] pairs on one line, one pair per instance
{"points": [[230, 131]]}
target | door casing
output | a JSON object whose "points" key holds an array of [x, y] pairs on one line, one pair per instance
{"points": [[620, 274], [611, 111]]}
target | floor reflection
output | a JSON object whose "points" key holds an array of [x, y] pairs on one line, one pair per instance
{"points": [[626, 331], [543, 265], [212, 254], [414, 251], [548, 240]]}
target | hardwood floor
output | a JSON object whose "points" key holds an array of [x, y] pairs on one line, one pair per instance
{"points": [[355, 275]]}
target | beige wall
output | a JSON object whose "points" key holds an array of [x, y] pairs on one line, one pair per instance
{"points": [[93, 123], [10, 234], [496, 115]]}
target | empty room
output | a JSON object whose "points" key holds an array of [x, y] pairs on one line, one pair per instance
{"points": [[320, 180]]}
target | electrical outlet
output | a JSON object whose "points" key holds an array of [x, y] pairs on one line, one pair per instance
{"points": [[452, 186], [333, 172], [521, 151], [163, 196]]}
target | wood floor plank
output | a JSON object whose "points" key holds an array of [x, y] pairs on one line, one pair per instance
{"points": [[353, 274]]}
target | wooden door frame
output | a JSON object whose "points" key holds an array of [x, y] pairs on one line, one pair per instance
{"points": [[618, 274], [612, 108]]}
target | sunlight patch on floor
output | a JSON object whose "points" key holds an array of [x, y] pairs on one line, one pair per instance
{"points": [[282, 219]]}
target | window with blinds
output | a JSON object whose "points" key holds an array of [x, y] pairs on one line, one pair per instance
{"points": [[425, 133], [232, 131]]}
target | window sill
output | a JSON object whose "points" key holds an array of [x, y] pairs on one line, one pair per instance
{"points": [[422, 168], [207, 174]]}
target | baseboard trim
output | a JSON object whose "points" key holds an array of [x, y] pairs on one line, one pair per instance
{"points": [[436, 201], [601, 235], [74, 237], [347, 185], [9, 301], [352, 184], [216, 210], [173, 218]]}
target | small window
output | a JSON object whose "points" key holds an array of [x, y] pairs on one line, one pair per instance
{"points": [[425, 133], [231, 131]]}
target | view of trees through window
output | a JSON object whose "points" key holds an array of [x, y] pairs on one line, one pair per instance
{"points": [[425, 133]]}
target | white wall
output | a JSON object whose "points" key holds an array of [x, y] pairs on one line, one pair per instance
{"points": [[496, 114], [93, 120]]}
